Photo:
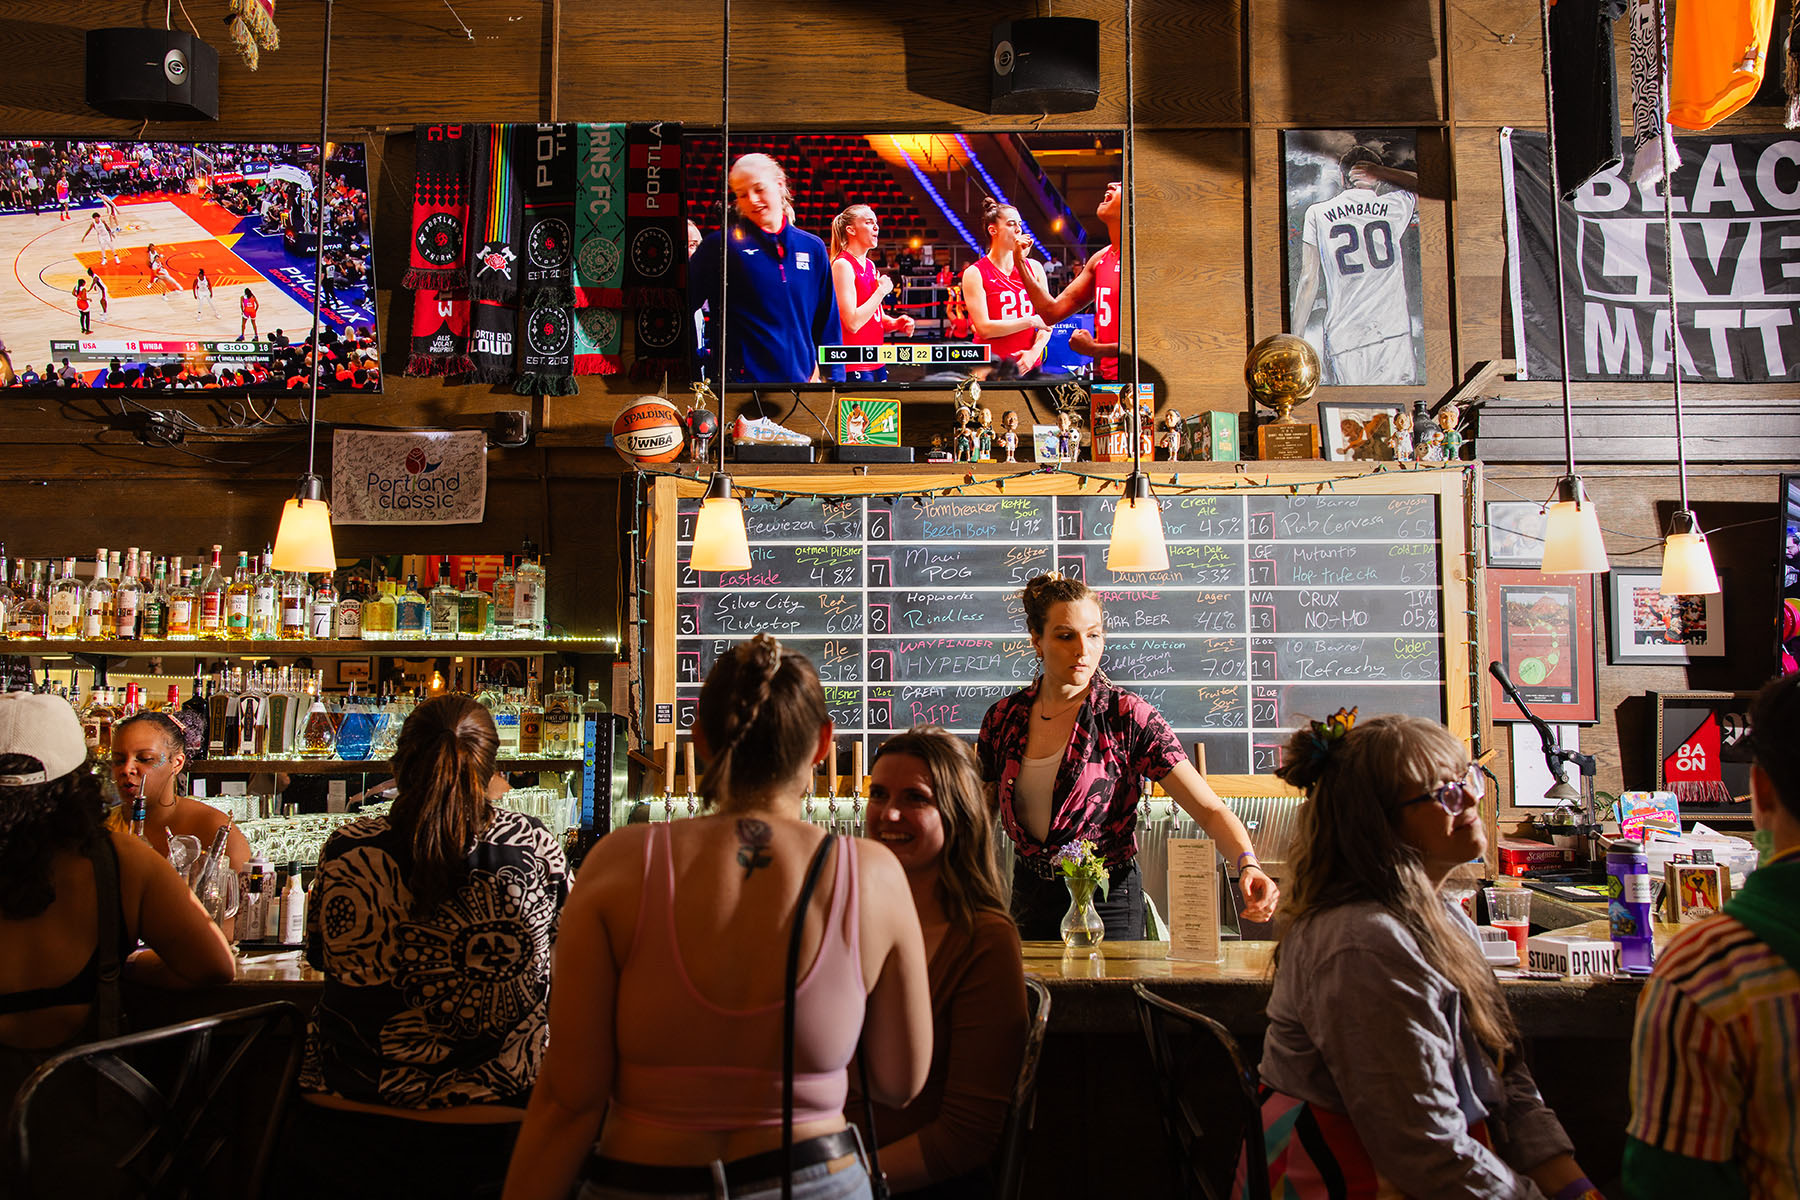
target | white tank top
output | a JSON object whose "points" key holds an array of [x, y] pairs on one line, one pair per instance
{"points": [[1034, 793]]}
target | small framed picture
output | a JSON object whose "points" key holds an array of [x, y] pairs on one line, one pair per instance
{"points": [[1515, 533], [354, 670], [1357, 432], [1540, 629], [1645, 626]]}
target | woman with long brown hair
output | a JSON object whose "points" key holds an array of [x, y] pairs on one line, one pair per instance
{"points": [[1392, 1065], [926, 804], [432, 925]]}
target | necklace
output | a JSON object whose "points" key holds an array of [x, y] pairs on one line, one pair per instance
{"points": [[1044, 716]]}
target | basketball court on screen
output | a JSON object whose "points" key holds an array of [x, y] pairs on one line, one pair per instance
{"points": [[36, 287]]}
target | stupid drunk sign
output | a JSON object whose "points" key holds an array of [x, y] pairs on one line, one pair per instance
{"points": [[1736, 205]]}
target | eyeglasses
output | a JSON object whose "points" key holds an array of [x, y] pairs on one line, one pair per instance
{"points": [[1453, 797]]}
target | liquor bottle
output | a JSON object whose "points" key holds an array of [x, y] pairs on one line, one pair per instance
{"points": [[194, 719], [350, 607], [321, 622], [132, 702], [562, 723], [279, 740], [29, 619], [265, 601], [219, 697], [318, 736], [172, 703], [184, 604], [238, 594], [446, 604], [97, 721], [379, 614], [472, 607], [128, 597], [6, 591], [153, 606], [65, 603], [210, 618], [97, 602], [506, 721], [529, 595], [504, 599], [295, 599], [251, 708], [412, 617], [531, 722]]}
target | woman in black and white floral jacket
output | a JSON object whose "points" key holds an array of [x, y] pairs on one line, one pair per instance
{"points": [[433, 926]]}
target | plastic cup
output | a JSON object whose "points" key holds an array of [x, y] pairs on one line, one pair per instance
{"points": [[1509, 909]]}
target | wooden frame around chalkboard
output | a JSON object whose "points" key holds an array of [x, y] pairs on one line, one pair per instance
{"points": [[1456, 487]]}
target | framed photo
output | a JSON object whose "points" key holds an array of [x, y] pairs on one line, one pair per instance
{"points": [[1703, 750], [1541, 630], [1645, 626], [1357, 432], [354, 670], [1515, 533]]}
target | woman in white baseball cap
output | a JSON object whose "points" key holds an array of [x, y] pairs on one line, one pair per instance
{"points": [[75, 899]]}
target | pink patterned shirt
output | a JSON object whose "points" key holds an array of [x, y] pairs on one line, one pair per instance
{"points": [[1118, 741]]}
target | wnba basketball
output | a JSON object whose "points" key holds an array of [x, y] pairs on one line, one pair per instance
{"points": [[649, 431]]}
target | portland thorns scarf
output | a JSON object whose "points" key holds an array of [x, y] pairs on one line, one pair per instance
{"points": [[440, 333], [597, 341], [655, 225], [440, 208], [494, 269], [546, 234], [492, 325], [547, 353], [599, 216], [659, 342]]}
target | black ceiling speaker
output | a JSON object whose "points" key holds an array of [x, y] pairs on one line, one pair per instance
{"points": [[159, 74], [1046, 65]]}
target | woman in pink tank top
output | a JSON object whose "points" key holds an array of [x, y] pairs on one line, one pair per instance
{"points": [[667, 1005]]}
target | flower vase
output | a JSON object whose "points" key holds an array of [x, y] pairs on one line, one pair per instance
{"points": [[1081, 925]]}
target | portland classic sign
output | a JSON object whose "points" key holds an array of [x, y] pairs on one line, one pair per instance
{"points": [[408, 478], [1736, 205]]}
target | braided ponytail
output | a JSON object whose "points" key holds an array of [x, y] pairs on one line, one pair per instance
{"points": [[760, 710]]}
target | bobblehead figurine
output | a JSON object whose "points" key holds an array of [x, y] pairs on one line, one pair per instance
{"points": [[1170, 439], [1009, 434]]}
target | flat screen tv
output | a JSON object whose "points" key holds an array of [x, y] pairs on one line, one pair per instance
{"points": [[925, 193], [1787, 574], [174, 265]]}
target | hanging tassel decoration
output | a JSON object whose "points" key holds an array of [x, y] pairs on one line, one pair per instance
{"points": [[252, 25]]}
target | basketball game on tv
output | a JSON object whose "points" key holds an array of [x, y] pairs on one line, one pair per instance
{"points": [[176, 265], [908, 260]]}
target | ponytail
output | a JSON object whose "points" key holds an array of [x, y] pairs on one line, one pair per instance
{"points": [[442, 765]]}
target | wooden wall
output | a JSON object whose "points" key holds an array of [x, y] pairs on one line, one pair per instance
{"points": [[1216, 83]]}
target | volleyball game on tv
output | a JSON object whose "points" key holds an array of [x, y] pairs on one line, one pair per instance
{"points": [[174, 265]]}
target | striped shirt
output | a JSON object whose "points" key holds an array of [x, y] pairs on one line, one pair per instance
{"points": [[1714, 1056]]}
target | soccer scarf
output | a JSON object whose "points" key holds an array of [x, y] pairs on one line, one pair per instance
{"points": [[440, 215], [655, 225], [545, 237], [598, 341], [492, 325], [440, 333], [494, 269], [658, 343], [599, 216], [547, 352]]}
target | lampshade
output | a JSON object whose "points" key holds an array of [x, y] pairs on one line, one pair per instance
{"points": [[720, 543], [1572, 542], [303, 543], [1687, 568], [1137, 536]]}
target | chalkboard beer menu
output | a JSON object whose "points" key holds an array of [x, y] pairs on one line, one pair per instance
{"points": [[1277, 605]]}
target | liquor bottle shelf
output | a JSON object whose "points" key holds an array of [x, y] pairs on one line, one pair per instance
{"points": [[338, 766], [344, 648]]}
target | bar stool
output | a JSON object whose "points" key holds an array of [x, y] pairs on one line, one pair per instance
{"points": [[1198, 1069], [1009, 1158], [185, 1110]]}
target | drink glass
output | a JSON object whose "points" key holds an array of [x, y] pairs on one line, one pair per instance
{"points": [[1510, 909]]}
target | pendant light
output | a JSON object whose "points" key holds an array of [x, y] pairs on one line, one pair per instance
{"points": [[1687, 567], [1137, 537], [1572, 541], [720, 541], [303, 542]]}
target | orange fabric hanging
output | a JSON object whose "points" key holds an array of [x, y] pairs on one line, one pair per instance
{"points": [[1717, 53]]}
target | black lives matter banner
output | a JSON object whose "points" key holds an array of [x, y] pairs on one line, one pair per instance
{"points": [[1737, 264]]}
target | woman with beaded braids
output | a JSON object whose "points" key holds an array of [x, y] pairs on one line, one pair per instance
{"points": [[684, 926], [1065, 759], [1391, 1065]]}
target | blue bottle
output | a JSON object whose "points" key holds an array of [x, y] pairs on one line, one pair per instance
{"points": [[1628, 897]]}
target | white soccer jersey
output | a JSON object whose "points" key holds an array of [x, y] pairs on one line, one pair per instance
{"points": [[1357, 233]]}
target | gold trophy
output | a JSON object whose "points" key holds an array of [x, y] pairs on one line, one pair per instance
{"points": [[1282, 371]]}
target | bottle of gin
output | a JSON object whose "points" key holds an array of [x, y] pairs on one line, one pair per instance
{"points": [[412, 616], [472, 607], [97, 603], [529, 595], [562, 717], [239, 594], [446, 604], [265, 601], [379, 615]]}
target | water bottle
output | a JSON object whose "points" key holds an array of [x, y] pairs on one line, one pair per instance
{"points": [[1628, 905]]}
